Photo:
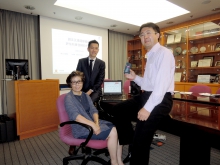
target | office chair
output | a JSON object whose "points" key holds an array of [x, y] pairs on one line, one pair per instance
{"points": [[65, 132], [200, 88]]}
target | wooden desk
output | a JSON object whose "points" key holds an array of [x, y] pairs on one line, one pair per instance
{"points": [[33, 104], [196, 119]]}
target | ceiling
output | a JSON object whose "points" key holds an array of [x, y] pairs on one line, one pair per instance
{"points": [[47, 9]]}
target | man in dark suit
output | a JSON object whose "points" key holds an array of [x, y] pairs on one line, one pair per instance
{"points": [[94, 73]]}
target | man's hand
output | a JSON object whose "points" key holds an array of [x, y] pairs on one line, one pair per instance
{"points": [[89, 92], [130, 76], [143, 114]]}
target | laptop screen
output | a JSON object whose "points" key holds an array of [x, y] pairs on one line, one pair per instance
{"points": [[112, 87]]}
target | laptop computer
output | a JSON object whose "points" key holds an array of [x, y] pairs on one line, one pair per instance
{"points": [[112, 90]]}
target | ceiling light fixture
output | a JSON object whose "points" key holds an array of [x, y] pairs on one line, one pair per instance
{"points": [[78, 18], [29, 7]]}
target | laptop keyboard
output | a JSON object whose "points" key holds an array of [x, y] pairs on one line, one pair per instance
{"points": [[112, 97]]}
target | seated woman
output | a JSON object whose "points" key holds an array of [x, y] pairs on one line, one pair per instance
{"points": [[80, 108]]}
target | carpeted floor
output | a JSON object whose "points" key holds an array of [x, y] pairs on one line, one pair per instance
{"points": [[47, 149]]}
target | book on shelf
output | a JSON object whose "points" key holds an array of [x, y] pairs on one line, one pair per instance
{"points": [[205, 62], [203, 78]]}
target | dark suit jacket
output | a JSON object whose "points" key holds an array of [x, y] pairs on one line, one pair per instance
{"points": [[97, 77]]}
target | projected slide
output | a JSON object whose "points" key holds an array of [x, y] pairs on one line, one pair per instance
{"points": [[68, 47]]}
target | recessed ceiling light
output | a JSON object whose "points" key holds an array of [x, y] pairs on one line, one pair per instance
{"points": [[113, 25], [78, 17], [169, 22], [29, 7], [216, 9], [206, 2]]}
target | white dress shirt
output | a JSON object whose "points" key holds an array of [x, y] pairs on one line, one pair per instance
{"points": [[158, 75]]}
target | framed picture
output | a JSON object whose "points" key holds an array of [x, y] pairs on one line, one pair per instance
{"points": [[209, 57], [177, 38], [204, 63], [217, 47], [203, 79], [217, 63], [177, 76], [194, 64], [170, 39]]}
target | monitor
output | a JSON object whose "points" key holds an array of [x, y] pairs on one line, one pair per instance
{"points": [[16, 67]]}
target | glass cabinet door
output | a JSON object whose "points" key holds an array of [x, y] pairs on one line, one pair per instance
{"points": [[204, 52], [134, 55], [176, 41]]}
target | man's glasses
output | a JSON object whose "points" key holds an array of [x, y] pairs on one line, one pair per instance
{"points": [[148, 33], [76, 82]]}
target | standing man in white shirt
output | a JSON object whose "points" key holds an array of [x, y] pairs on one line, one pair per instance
{"points": [[153, 104]]}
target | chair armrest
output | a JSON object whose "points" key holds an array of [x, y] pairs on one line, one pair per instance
{"points": [[84, 125]]}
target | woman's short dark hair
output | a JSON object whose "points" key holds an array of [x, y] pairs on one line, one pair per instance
{"points": [[74, 74]]}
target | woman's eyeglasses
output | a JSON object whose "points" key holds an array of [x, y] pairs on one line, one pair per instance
{"points": [[76, 82]]}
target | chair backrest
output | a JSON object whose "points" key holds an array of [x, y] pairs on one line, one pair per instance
{"points": [[61, 108], [218, 91], [65, 132], [200, 89], [126, 86]]}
